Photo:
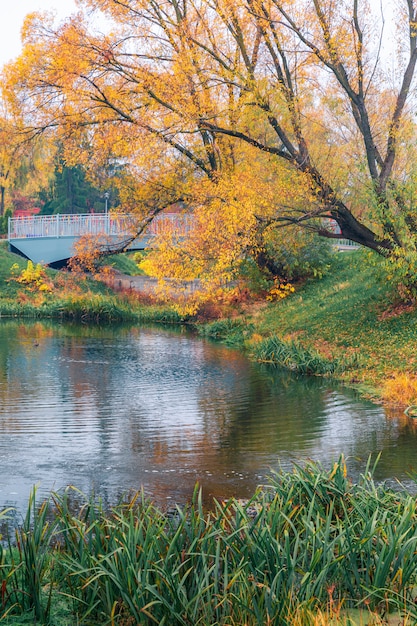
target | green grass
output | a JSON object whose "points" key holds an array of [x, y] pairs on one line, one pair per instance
{"points": [[124, 263], [7, 259], [293, 356], [311, 543], [230, 331], [348, 320]]}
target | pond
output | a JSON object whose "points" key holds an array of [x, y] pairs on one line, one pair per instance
{"points": [[118, 408]]}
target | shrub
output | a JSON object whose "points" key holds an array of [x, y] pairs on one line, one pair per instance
{"points": [[231, 332], [34, 276], [280, 290], [299, 254], [4, 221], [400, 389], [400, 270]]}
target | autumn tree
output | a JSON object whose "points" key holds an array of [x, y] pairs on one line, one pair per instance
{"points": [[160, 166], [8, 151], [178, 87], [25, 166], [15, 161]]}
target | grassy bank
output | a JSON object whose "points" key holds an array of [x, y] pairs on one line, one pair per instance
{"points": [[350, 324], [311, 548], [61, 295]]}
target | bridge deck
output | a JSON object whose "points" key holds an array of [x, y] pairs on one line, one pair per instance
{"points": [[50, 239]]}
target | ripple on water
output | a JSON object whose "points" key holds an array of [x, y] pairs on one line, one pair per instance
{"points": [[113, 410]]}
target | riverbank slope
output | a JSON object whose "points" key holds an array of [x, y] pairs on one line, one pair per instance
{"points": [[351, 324], [32, 291]]}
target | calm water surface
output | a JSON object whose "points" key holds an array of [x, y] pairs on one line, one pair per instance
{"points": [[115, 409]]}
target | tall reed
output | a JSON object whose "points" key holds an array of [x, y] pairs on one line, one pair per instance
{"points": [[308, 546], [292, 356], [27, 567]]}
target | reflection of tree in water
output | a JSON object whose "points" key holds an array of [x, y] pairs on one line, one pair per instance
{"points": [[22, 344], [163, 380], [162, 408], [244, 411], [398, 449], [281, 416], [271, 410]]}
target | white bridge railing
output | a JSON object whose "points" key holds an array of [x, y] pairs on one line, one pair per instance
{"points": [[64, 225], [119, 227]]}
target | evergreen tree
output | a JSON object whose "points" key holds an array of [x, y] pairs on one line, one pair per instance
{"points": [[71, 192]]}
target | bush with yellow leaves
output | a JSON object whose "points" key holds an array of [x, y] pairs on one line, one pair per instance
{"points": [[34, 276], [280, 290]]}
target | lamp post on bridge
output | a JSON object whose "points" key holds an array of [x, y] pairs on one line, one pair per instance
{"points": [[106, 210]]}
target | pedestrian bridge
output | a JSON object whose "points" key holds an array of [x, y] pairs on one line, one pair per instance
{"points": [[51, 239]]}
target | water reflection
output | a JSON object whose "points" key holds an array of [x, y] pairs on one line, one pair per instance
{"points": [[116, 408]]}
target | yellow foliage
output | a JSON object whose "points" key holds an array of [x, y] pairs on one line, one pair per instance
{"points": [[34, 276], [256, 338], [401, 390], [225, 226], [46, 288], [280, 290], [182, 98], [88, 253]]}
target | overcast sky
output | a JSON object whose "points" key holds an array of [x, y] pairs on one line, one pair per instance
{"points": [[12, 16]]}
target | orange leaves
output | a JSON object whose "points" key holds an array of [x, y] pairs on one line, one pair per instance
{"points": [[88, 254], [281, 289], [225, 227]]}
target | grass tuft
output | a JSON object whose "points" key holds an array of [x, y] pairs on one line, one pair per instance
{"points": [[230, 331], [293, 356], [400, 389]]}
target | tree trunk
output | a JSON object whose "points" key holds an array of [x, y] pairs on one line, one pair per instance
{"points": [[2, 199], [352, 229]]}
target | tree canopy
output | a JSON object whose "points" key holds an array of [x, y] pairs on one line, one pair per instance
{"points": [[286, 109], [24, 165]]}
